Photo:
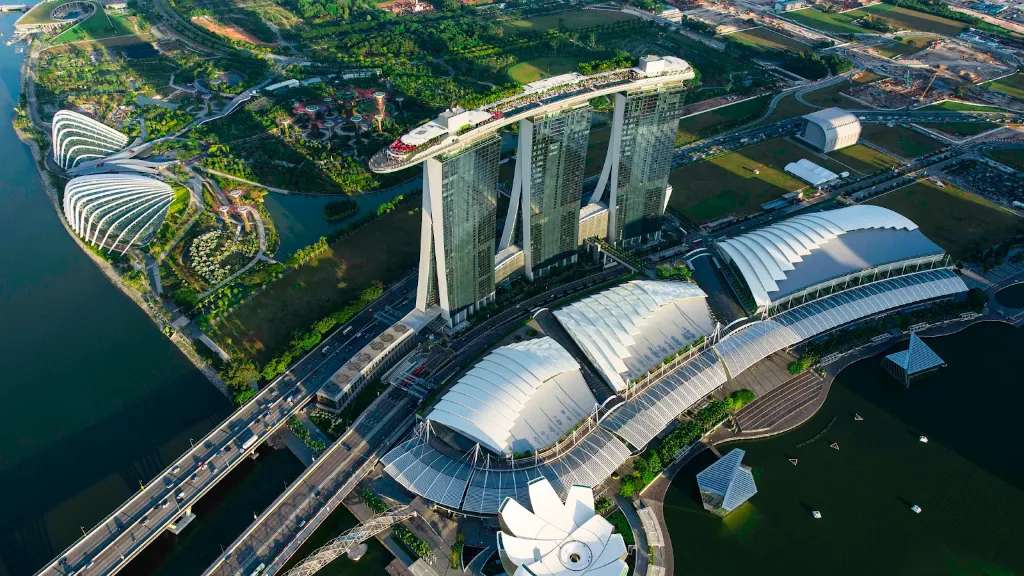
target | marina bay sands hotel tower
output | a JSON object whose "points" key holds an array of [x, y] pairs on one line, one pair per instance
{"points": [[466, 247]]}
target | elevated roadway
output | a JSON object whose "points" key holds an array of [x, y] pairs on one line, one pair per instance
{"points": [[275, 535], [165, 502]]}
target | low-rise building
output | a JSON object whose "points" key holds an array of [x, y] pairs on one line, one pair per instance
{"points": [[726, 484]]}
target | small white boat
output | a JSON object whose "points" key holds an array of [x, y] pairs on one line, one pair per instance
{"points": [[923, 439], [858, 417], [816, 514], [834, 446], [915, 509], [794, 461]]}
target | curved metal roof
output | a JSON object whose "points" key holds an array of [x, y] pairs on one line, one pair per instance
{"points": [[523, 396], [629, 329], [116, 211], [77, 138], [770, 258]]}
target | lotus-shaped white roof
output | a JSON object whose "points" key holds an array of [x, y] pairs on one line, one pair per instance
{"points": [[558, 539]]}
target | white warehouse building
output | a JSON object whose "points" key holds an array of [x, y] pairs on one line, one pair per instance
{"points": [[116, 211], [830, 129]]}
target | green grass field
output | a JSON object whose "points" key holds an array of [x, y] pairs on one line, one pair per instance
{"points": [[863, 159], [961, 129], [40, 12], [712, 122], [1013, 158], [960, 222], [1012, 86], [902, 141], [904, 46], [98, 26], [728, 184], [573, 20], [538, 68], [788, 107], [905, 19], [957, 106], [824, 21], [898, 18], [382, 250], [769, 39]]}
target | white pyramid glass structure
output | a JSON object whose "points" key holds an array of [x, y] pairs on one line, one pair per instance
{"points": [[918, 357], [558, 538]]}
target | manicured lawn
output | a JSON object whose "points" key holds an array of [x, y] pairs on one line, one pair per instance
{"points": [[727, 184], [904, 46], [382, 250], [1013, 158], [765, 38], [706, 124], [957, 106], [898, 18], [863, 159], [538, 68], [824, 21], [571, 20], [99, 25], [904, 142], [40, 12], [961, 129], [960, 222], [1011, 85], [906, 19]]}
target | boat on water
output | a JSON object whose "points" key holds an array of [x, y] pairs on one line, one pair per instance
{"points": [[816, 514], [915, 509], [923, 439]]}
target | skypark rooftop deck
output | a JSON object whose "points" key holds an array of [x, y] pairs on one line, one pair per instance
{"points": [[457, 127]]}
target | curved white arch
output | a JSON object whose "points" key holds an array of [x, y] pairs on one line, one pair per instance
{"points": [[76, 138], [765, 256], [518, 392], [116, 211]]}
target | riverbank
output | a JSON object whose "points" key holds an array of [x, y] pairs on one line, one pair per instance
{"points": [[154, 311]]}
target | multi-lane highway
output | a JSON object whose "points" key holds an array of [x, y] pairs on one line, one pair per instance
{"points": [[167, 499]]}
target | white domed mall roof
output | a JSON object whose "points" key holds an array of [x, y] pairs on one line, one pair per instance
{"points": [[558, 539]]}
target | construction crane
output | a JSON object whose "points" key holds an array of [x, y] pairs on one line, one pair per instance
{"points": [[928, 87], [342, 544]]}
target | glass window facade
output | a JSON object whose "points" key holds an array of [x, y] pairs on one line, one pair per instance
{"points": [[468, 209], [650, 121], [558, 155]]}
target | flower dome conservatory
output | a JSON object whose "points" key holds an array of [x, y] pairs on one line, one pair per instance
{"points": [[116, 211], [77, 138]]}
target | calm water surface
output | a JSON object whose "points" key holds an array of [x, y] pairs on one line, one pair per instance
{"points": [[969, 478]]}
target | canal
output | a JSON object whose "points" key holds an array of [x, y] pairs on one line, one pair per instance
{"points": [[967, 478]]}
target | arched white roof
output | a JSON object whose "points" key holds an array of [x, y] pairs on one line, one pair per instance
{"points": [[556, 538], [116, 211], [627, 330], [523, 396], [767, 256], [77, 138]]}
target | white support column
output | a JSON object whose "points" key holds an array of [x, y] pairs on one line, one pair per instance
{"points": [[426, 244], [614, 154], [432, 236], [611, 159], [513, 204], [524, 170]]}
